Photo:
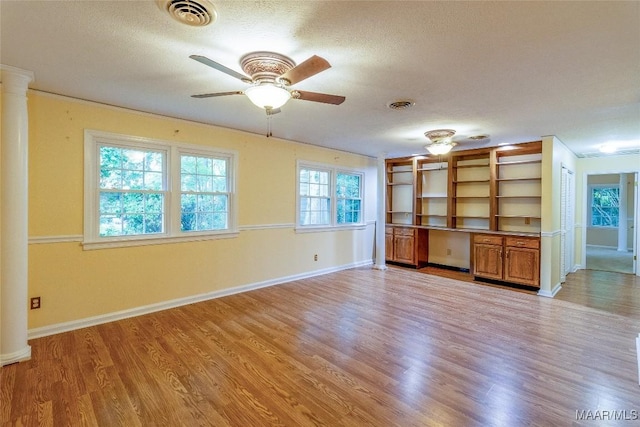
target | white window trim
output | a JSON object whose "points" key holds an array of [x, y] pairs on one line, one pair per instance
{"points": [[590, 188], [173, 151], [333, 173]]}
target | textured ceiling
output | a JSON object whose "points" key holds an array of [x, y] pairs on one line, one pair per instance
{"points": [[516, 71]]}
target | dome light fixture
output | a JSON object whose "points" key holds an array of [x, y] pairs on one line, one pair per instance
{"points": [[268, 95], [608, 148], [441, 142]]}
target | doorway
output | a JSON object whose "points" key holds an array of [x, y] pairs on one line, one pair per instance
{"points": [[611, 238]]}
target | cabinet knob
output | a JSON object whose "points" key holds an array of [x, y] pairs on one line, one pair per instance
{"points": [[486, 240], [519, 243]]}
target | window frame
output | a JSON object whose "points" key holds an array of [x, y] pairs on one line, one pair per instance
{"points": [[172, 152], [333, 198], [592, 187]]}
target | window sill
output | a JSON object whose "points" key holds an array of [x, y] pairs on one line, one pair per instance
{"points": [[160, 240], [320, 229]]}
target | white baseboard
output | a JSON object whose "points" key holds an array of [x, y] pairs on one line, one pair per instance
{"points": [[151, 308], [16, 356], [552, 293]]}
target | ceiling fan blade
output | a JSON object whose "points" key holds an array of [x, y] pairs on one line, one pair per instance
{"points": [[319, 97], [306, 69], [206, 61], [211, 95]]}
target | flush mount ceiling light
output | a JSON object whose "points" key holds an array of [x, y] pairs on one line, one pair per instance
{"points": [[608, 148], [441, 142]]}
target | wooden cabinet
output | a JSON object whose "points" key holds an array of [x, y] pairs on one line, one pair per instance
{"points": [[407, 245], [512, 259], [487, 255], [522, 261]]}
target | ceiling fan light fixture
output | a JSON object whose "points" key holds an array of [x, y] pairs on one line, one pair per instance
{"points": [[440, 148], [267, 95], [441, 142]]}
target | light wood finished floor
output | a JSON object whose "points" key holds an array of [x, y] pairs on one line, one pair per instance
{"points": [[355, 348]]}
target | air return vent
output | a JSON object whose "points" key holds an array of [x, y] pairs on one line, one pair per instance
{"points": [[401, 104], [191, 12]]}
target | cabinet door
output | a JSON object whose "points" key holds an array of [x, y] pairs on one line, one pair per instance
{"points": [[404, 249], [388, 244], [487, 261], [522, 266]]}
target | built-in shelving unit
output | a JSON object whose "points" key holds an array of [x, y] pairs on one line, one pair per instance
{"points": [[400, 190], [489, 191], [470, 189], [518, 183], [431, 192]]}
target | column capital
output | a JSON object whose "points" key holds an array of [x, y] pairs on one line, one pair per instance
{"points": [[15, 80]]}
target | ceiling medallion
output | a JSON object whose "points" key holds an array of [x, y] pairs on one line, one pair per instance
{"points": [[266, 66]]}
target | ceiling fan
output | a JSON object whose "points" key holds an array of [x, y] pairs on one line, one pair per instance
{"points": [[441, 141], [271, 74]]}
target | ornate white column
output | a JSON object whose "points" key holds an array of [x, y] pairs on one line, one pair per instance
{"points": [[14, 236], [622, 214], [381, 216]]}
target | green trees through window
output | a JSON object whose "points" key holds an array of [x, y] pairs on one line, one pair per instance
{"points": [[138, 190], [605, 205], [204, 200], [131, 191], [328, 196]]}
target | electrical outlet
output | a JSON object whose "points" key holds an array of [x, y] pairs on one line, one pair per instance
{"points": [[315, 257], [35, 303]]}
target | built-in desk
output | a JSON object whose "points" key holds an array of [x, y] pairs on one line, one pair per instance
{"points": [[495, 255]]}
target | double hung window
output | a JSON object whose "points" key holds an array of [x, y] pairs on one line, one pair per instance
{"points": [[328, 197], [139, 191]]}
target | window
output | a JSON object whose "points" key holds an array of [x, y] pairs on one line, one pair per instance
{"points": [[204, 199], [329, 197], [132, 191], [349, 198], [140, 191], [605, 202]]}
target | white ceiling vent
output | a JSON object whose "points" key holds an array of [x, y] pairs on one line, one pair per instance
{"points": [[196, 13]]}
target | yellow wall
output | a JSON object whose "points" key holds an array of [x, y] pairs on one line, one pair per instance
{"points": [[76, 284], [555, 155]]}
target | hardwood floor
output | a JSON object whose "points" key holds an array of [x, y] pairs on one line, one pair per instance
{"points": [[355, 348]]}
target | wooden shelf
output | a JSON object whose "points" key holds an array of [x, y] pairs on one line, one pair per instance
{"points": [[518, 216], [470, 197], [433, 215], [399, 183], [537, 178], [472, 166], [518, 162], [519, 197], [475, 181]]}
